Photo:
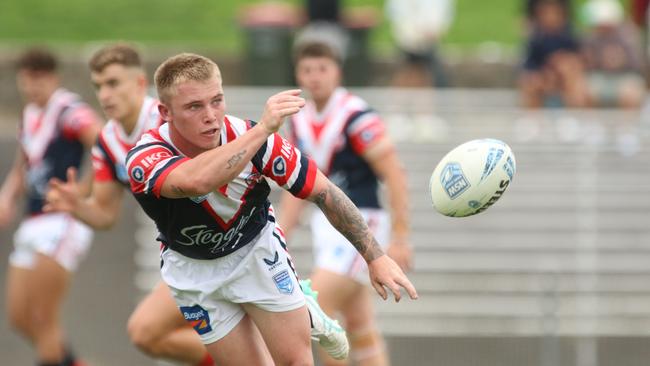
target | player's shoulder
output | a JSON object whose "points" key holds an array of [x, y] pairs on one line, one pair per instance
{"points": [[350, 100], [237, 125]]}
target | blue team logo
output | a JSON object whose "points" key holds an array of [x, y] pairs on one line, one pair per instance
{"points": [[283, 282], [197, 317], [137, 173], [453, 180], [279, 167], [367, 136], [120, 171]]}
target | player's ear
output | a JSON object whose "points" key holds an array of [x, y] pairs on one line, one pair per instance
{"points": [[164, 112]]}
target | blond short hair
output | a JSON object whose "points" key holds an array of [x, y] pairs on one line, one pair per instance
{"points": [[119, 53], [181, 68]]}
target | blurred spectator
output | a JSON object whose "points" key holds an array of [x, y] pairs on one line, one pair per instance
{"points": [[613, 55], [417, 27], [553, 72], [529, 10]]}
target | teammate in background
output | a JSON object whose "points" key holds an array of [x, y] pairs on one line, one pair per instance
{"points": [[347, 140], [156, 326], [201, 178], [56, 130]]}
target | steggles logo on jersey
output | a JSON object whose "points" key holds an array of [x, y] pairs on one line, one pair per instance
{"points": [[137, 173], [201, 235], [197, 317], [279, 167]]}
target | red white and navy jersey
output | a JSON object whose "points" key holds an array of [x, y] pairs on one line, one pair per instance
{"points": [[218, 223], [109, 153], [336, 138], [49, 138]]}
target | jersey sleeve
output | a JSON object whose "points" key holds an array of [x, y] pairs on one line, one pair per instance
{"points": [[77, 119], [102, 167], [365, 128], [148, 165], [283, 163]]}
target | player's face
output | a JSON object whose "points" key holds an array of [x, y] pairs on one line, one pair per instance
{"points": [[319, 76], [120, 91], [195, 111], [36, 86]]}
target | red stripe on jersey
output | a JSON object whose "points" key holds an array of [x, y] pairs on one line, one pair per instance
{"points": [[371, 132], [277, 145], [102, 172], [161, 179], [224, 190], [230, 133], [308, 187]]}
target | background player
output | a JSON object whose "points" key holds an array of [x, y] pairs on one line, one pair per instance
{"points": [[56, 130], [156, 326], [200, 177], [348, 142]]}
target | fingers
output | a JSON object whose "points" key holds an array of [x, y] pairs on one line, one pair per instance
{"points": [[71, 173], [408, 286], [380, 289]]}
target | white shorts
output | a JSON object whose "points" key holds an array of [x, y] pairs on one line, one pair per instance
{"points": [[209, 292], [56, 235], [333, 252]]}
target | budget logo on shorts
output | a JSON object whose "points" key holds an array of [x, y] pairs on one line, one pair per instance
{"points": [[279, 167], [453, 180], [137, 173], [198, 318], [283, 282]]}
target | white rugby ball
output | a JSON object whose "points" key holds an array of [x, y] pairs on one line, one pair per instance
{"points": [[472, 177]]}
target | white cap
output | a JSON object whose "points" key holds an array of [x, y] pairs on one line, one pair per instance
{"points": [[603, 12]]}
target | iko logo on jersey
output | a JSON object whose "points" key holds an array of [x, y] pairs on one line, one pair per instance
{"points": [[279, 167], [201, 235], [197, 317], [154, 157], [137, 173], [284, 282], [453, 180]]}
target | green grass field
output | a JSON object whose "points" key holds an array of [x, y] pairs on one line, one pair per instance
{"points": [[210, 22]]}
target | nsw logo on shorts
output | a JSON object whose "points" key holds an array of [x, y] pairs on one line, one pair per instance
{"points": [[283, 282], [198, 318]]}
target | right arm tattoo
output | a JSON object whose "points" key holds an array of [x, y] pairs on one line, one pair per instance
{"points": [[235, 159], [347, 219]]}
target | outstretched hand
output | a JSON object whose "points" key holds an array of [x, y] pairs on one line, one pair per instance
{"points": [[63, 196], [280, 106], [384, 272]]}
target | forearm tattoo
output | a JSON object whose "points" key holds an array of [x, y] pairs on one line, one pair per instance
{"points": [[235, 159], [347, 219]]}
